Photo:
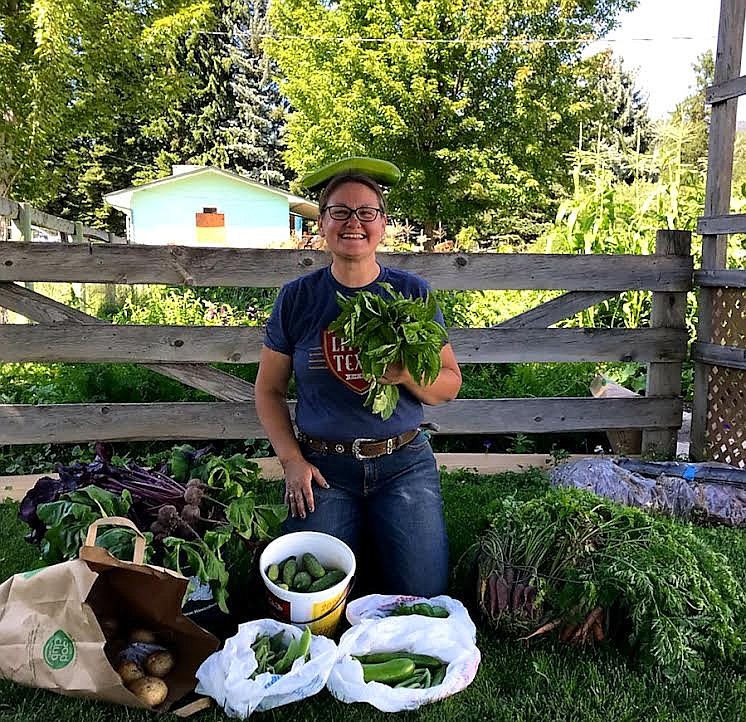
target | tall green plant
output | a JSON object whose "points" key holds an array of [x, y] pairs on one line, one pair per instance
{"points": [[606, 215]]}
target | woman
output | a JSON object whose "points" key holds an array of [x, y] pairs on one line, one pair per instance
{"points": [[349, 473]]}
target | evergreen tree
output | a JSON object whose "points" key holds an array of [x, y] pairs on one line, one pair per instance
{"points": [[234, 116], [254, 135], [200, 137], [624, 124], [694, 112]]}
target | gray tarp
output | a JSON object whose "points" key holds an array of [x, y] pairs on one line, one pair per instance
{"points": [[710, 492]]}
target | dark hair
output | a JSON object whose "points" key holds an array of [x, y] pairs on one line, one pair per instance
{"points": [[342, 178]]}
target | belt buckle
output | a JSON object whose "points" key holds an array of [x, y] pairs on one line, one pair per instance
{"points": [[356, 449]]}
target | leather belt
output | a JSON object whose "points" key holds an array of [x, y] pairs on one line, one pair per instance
{"points": [[361, 449]]}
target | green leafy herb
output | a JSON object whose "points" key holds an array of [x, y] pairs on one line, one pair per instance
{"points": [[69, 517], [391, 330]]}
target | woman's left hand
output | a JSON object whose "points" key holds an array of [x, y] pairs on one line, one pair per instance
{"points": [[396, 373]]}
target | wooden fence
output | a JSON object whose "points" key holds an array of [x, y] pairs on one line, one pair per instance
{"points": [[719, 411], [184, 353]]}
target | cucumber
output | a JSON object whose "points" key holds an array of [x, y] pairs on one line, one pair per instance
{"points": [[379, 170], [301, 582], [312, 566], [332, 577], [273, 572], [289, 570]]}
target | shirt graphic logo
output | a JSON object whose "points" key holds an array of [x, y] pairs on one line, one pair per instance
{"points": [[343, 361]]}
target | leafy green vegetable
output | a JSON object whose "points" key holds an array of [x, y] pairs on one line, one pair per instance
{"points": [[386, 331], [673, 598], [68, 520], [234, 476]]}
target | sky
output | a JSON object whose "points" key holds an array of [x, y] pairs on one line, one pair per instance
{"points": [[664, 65]]}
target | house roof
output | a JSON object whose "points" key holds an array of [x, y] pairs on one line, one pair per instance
{"points": [[122, 199]]}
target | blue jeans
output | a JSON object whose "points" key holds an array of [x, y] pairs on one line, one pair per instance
{"points": [[389, 508]]}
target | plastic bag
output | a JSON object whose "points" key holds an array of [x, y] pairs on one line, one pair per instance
{"points": [[410, 634], [380, 606], [686, 491], [224, 676]]}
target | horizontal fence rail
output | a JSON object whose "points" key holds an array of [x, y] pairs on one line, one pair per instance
{"points": [[732, 357], [721, 279], [725, 91], [77, 423], [27, 216], [182, 265], [209, 344], [722, 225]]}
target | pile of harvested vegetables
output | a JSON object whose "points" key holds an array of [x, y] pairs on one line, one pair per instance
{"points": [[574, 565]]}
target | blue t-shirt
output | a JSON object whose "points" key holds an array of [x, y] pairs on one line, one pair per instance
{"points": [[330, 384]]}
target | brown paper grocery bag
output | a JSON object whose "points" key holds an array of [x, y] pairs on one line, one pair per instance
{"points": [[50, 622]]}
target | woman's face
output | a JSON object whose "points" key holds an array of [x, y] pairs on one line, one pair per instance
{"points": [[352, 239]]}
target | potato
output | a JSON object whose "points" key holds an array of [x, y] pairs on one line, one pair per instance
{"points": [[159, 664], [142, 635], [130, 671], [150, 690]]}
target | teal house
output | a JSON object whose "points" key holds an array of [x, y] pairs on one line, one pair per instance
{"points": [[206, 206]]}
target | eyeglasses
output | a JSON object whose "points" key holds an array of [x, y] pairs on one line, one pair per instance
{"points": [[365, 214]]}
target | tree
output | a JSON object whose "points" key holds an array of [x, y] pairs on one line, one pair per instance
{"points": [[467, 99], [84, 85], [233, 117], [255, 135], [623, 123], [694, 112]]}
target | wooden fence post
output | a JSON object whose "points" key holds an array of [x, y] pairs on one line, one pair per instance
{"points": [[668, 311], [24, 226], [722, 136]]}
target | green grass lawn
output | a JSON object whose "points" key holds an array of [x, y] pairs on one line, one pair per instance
{"points": [[544, 682]]}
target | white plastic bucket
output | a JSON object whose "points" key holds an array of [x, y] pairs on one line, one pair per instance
{"points": [[321, 611]]}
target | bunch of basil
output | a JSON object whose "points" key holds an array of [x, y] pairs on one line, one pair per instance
{"points": [[391, 330]]}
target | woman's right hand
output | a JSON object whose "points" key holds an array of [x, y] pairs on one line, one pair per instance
{"points": [[299, 477]]}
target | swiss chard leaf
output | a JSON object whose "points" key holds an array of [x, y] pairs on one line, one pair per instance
{"points": [[391, 330]]}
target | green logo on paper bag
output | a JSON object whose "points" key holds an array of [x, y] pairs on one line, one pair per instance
{"points": [[59, 650]]}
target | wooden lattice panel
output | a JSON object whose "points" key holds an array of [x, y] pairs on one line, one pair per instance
{"points": [[729, 317], [726, 416]]}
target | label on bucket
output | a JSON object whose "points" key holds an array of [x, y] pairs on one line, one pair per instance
{"points": [[280, 607], [328, 624]]}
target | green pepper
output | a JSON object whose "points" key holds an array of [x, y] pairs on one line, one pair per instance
{"points": [[297, 648], [391, 672], [420, 660], [423, 609]]}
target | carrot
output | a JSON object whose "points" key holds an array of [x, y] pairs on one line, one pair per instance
{"points": [[529, 597], [509, 577], [598, 632], [567, 632], [493, 595], [503, 594], [594, 617], [544, 629], [481, 590], [517, 597]]}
